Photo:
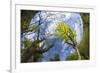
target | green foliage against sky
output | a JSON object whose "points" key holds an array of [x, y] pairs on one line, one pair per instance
{"points": [[31, 51], [65, 32], [26, 16], [69, 37], [84, 46]]}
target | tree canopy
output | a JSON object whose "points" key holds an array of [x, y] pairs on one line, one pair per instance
{"points": [[53, 36]]}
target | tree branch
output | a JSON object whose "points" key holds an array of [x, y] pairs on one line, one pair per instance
{"points": [[77, 52], [33, 49]]}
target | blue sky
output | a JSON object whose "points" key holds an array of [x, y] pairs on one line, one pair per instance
{"points": [[48, 22]]}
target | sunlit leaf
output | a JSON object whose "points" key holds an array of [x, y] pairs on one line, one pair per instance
{"points": [[65, 32]]}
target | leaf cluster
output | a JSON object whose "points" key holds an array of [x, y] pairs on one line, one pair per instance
{"points": [[64, 32]]}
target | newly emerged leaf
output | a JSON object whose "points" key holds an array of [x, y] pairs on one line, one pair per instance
{"points": [[65, 32]]}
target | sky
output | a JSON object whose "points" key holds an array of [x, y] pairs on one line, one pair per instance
{"points": [[48, 23]]}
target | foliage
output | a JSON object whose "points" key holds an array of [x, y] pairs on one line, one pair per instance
{"points": [[74, 56], [35, 27], [69, 36], [84, 44], [27, 43], [65, 32], [26, 17], [30, 49], [38, 56]]}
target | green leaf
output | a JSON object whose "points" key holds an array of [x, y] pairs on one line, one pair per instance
{"points": [[38, 56], [35, 27], [64, 32], [72, 57], [27, 43]]}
